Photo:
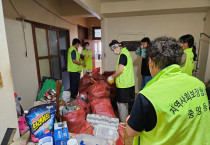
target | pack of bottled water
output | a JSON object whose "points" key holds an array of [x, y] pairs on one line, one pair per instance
{"points": [[95, 120]]}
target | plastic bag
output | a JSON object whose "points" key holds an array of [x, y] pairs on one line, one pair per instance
{"points": [[81, 103], [85, 82], [112, 86], [48, 84], [98, 77], [120, 140], [98, 90], [77, 123], [103, 107]]}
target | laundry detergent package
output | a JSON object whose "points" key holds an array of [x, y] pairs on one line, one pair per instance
{"points": [[41, 119]]}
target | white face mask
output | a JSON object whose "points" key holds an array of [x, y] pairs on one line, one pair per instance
{"points": [[87, 47], [141, 46], [115, 52]]}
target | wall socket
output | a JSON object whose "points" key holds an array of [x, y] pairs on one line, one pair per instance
{"points": [[1, 82]]}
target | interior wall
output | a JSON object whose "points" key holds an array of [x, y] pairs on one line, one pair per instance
{"points": [[24, 71], [32, 11], [23, 68], [8, 112], [135, 28], [92, 22], [204, 60]]}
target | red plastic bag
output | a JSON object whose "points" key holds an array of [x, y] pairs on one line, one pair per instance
{"points": [[98, 90], [83, 128], [112, 86], [103, 107], [85, 82], [98, 77], [83, 95], [76, 122], [81, 103], [96, 70], [87, 109], [120, 140]]}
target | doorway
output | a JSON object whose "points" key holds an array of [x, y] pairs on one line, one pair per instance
{"points": [[51, 45]]}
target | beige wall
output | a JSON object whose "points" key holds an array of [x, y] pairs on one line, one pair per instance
{"points": [[134, 28], [23, 68], [24, 71], [92, 22], [31, 11], [152, 7], [204, 63], [8, 112]]}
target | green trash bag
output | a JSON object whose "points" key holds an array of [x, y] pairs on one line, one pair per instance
{"points": [[48, 84]]}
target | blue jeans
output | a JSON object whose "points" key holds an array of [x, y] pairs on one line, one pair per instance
{"points": [[145, 80]]}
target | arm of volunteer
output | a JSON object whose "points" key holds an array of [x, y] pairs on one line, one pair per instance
{"points": [[73, 57], [78, 63], [131, 132], [122, 63], [119, 71], [143, 117], [184, 56]]}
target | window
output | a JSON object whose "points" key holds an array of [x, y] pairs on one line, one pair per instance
{"points": [[47, 51], [96, 33], [98, 49]]}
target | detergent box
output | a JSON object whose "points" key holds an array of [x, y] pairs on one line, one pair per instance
{"points": [[61, 134]]}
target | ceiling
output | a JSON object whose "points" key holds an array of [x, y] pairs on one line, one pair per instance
{"points": [[71, 8], [116, 0]]}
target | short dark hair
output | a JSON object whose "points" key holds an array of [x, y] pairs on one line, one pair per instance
{"points": [[116, 42], [75, 41], [165, 51], [86, 43], [146, 39]]}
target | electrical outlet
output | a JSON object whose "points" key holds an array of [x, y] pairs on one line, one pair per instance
{"points": [[1, 82]]}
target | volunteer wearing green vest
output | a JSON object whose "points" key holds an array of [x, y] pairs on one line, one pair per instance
{"points": [[173, 107], [87, 58], [74, 67], [189, 56], [124, 78]]}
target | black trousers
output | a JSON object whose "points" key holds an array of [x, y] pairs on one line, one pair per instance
{"points": [[126, 95], [74, 83]]}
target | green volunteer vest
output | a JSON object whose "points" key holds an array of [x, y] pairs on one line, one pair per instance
{"points": [[189, 64], [181, 105], [72, 67], [88, 63], [126, 78]]}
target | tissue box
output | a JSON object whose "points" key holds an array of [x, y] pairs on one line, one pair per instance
{"points": [[61, 134]]}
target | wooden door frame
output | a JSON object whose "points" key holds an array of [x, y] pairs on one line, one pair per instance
{"points": [[49, 57], [78, 32]]}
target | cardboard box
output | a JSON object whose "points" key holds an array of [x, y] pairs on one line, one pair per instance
{"points": [[61, 134]]}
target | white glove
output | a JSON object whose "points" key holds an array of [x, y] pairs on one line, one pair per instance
{"points": [[110, 80]]}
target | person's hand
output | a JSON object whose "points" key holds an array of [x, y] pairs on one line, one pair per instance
{"points": [[127, 118], [110, 80], [83, 65], [86, 58]]}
